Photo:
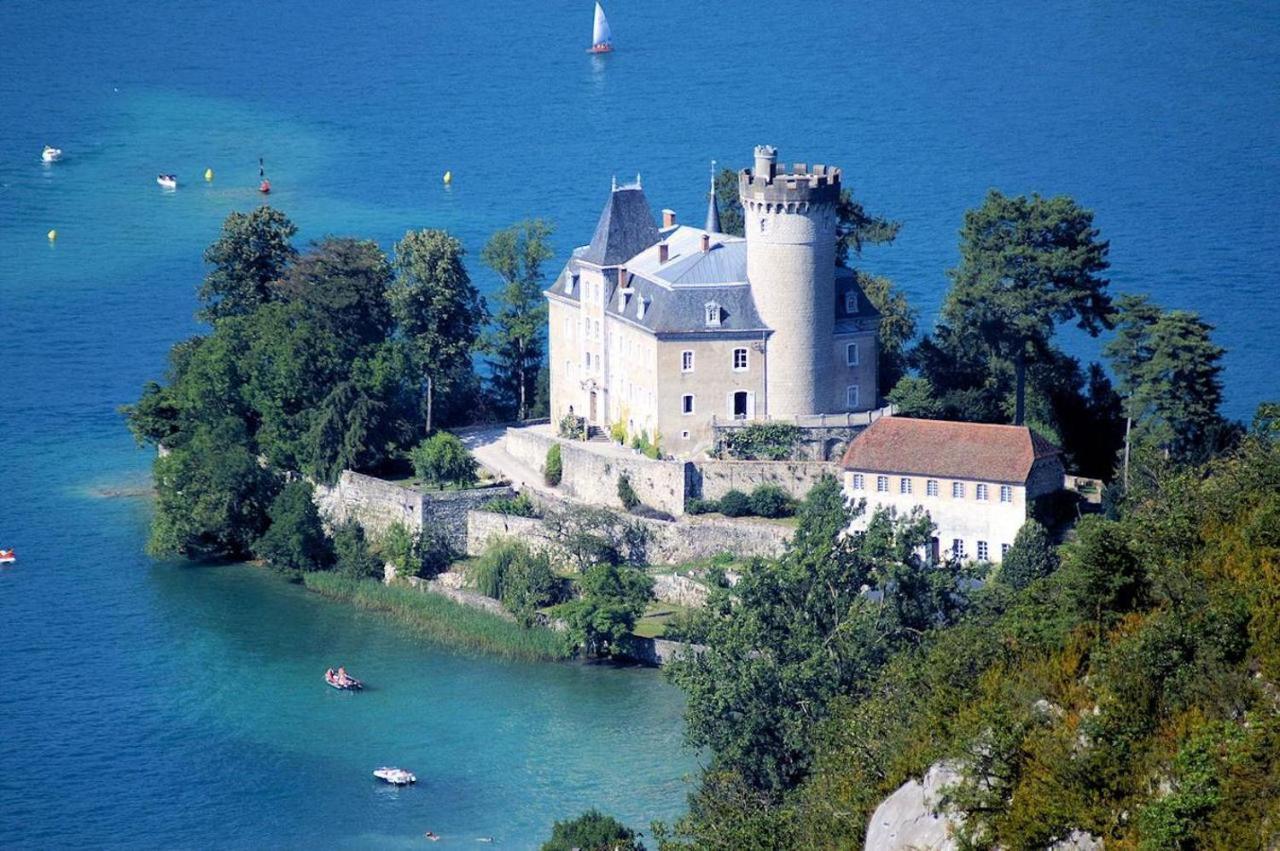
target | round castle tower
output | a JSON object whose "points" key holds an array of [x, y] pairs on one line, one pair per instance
{"points": [[790, 221]]}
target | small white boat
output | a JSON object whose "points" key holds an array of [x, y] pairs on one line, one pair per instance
{"points": [[7, 557], [51, 154], [395, 776], [167, 181], [601, 35]]}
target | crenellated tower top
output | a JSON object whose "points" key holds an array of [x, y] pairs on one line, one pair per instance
{"points": [[771, 183]]}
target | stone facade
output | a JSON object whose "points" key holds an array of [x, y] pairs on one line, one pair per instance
{"points": [[376, 504], [669, 543], [665, 330], [716, 478]]}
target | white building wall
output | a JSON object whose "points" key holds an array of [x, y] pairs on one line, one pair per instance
{"points": [[967, 518]]}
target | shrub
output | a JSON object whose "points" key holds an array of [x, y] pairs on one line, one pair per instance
{"points": [[1031, 557], [700, 506], [488, 573], [735, 504], [618, 432], [626, 493], [518, 506], [529, 584], [592, 831], [772, 501], [442, 458], [573, 427], [295, 539], [761, 442], [424, 553], [554, 468]]}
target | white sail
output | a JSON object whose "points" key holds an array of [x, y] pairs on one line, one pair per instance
{"points": [[600, 30]]}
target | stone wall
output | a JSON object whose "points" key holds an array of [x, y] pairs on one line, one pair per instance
{"points": [[713, 479], [591, 474], [660, 651], [670, 543], [376, 504]]}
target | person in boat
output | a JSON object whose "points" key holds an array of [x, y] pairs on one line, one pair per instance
{"points": [[343, 677], [329, 675]]}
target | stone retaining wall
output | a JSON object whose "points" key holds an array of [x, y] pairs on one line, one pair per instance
{"points": [[376, 504], [660, 651], [713, 479], [591, 475], [670, 543]]}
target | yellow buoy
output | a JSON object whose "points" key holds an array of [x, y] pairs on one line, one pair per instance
{"points": [[448, 177], [53, 234], [208, 175]]}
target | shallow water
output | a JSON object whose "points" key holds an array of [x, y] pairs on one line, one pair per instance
{"points": [[157, 704]]}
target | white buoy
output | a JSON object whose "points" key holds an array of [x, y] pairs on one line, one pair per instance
{"points": [[53, 235], [208, 175], [448, 178]]}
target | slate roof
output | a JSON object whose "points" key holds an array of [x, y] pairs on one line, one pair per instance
{"points": [[624, 230], [948, 450]]}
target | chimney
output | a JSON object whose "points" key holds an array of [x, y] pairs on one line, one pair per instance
{"points": [[622, 276], [668, 219], [664, 252], [706, 243]]}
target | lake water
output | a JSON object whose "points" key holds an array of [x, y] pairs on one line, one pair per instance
{"points": [[156, 704]]}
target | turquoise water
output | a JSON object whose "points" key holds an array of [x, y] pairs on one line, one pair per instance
{"points": [[157, 704]]}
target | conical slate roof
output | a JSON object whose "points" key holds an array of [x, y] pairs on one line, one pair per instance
{"points": [[625, 229], [713, 213]]}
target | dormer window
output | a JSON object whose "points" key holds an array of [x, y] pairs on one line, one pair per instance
{"points": [[851, 302], [570, 284], [624, 298], [642, 304], [713, 314]]}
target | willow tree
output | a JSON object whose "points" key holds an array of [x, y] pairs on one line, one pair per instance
{"points": [[1027, 264]]}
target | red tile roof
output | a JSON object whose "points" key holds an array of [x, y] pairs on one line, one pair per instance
{"points": [[995, 453]]}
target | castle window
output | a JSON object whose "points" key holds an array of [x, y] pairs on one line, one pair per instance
{"points": [[642, 304], [851, 304], [684, 435], [851, 354], [957, 547], [983, 552], [982, 492], [739, 360], [713, 314], [1006, 493], [859, 482], [1004, 550], [686, 361], [686, 403], [957, 490], [571, 284], [904, 485], [882, 484], [931, 487], [851, 396]]}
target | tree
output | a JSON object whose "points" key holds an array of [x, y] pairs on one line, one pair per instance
{"points": [[515, 341], [613, 598], [342, 284], [1027, 264], [352, 555], [897, 325], [253, 251], [1169, 371], [913, 397], [295, 539], [592, 831], [1031, 557], [1102, 576], [443, 459], [438, 309]]}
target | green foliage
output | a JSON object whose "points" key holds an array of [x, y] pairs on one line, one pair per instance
{"points": [[771, 501], [735, 503], [761, 442], [438, 309], [352, 555], [518, 506], [443, 459], [295, 539], [648, 448], [1031, 557], [626, 493], [613, 597], [591, 536], [553, 469], [914, 397], [522, 579], [1103, 578], [694, 505], [898, 325], [437, 618], [618, 433], [592, 831], [515, 341], [422, 553], [252, 253]]}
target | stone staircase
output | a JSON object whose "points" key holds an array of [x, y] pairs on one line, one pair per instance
{"points": [[596, 433]]}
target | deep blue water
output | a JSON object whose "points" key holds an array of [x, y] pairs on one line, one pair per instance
{"points": [[156, 704]]}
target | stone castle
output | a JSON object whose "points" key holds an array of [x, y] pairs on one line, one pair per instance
{"points": [[672, 330]]}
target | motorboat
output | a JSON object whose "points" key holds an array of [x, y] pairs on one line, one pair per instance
{"points": [[51, 154], [167, 181], [395, 776], [342, 681], [7, 557], [601, 35]]}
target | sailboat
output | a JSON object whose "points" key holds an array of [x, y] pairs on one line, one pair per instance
{"points": [[601, 37]]}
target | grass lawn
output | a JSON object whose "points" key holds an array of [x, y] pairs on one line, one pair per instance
{"points": [[654, 622]]}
